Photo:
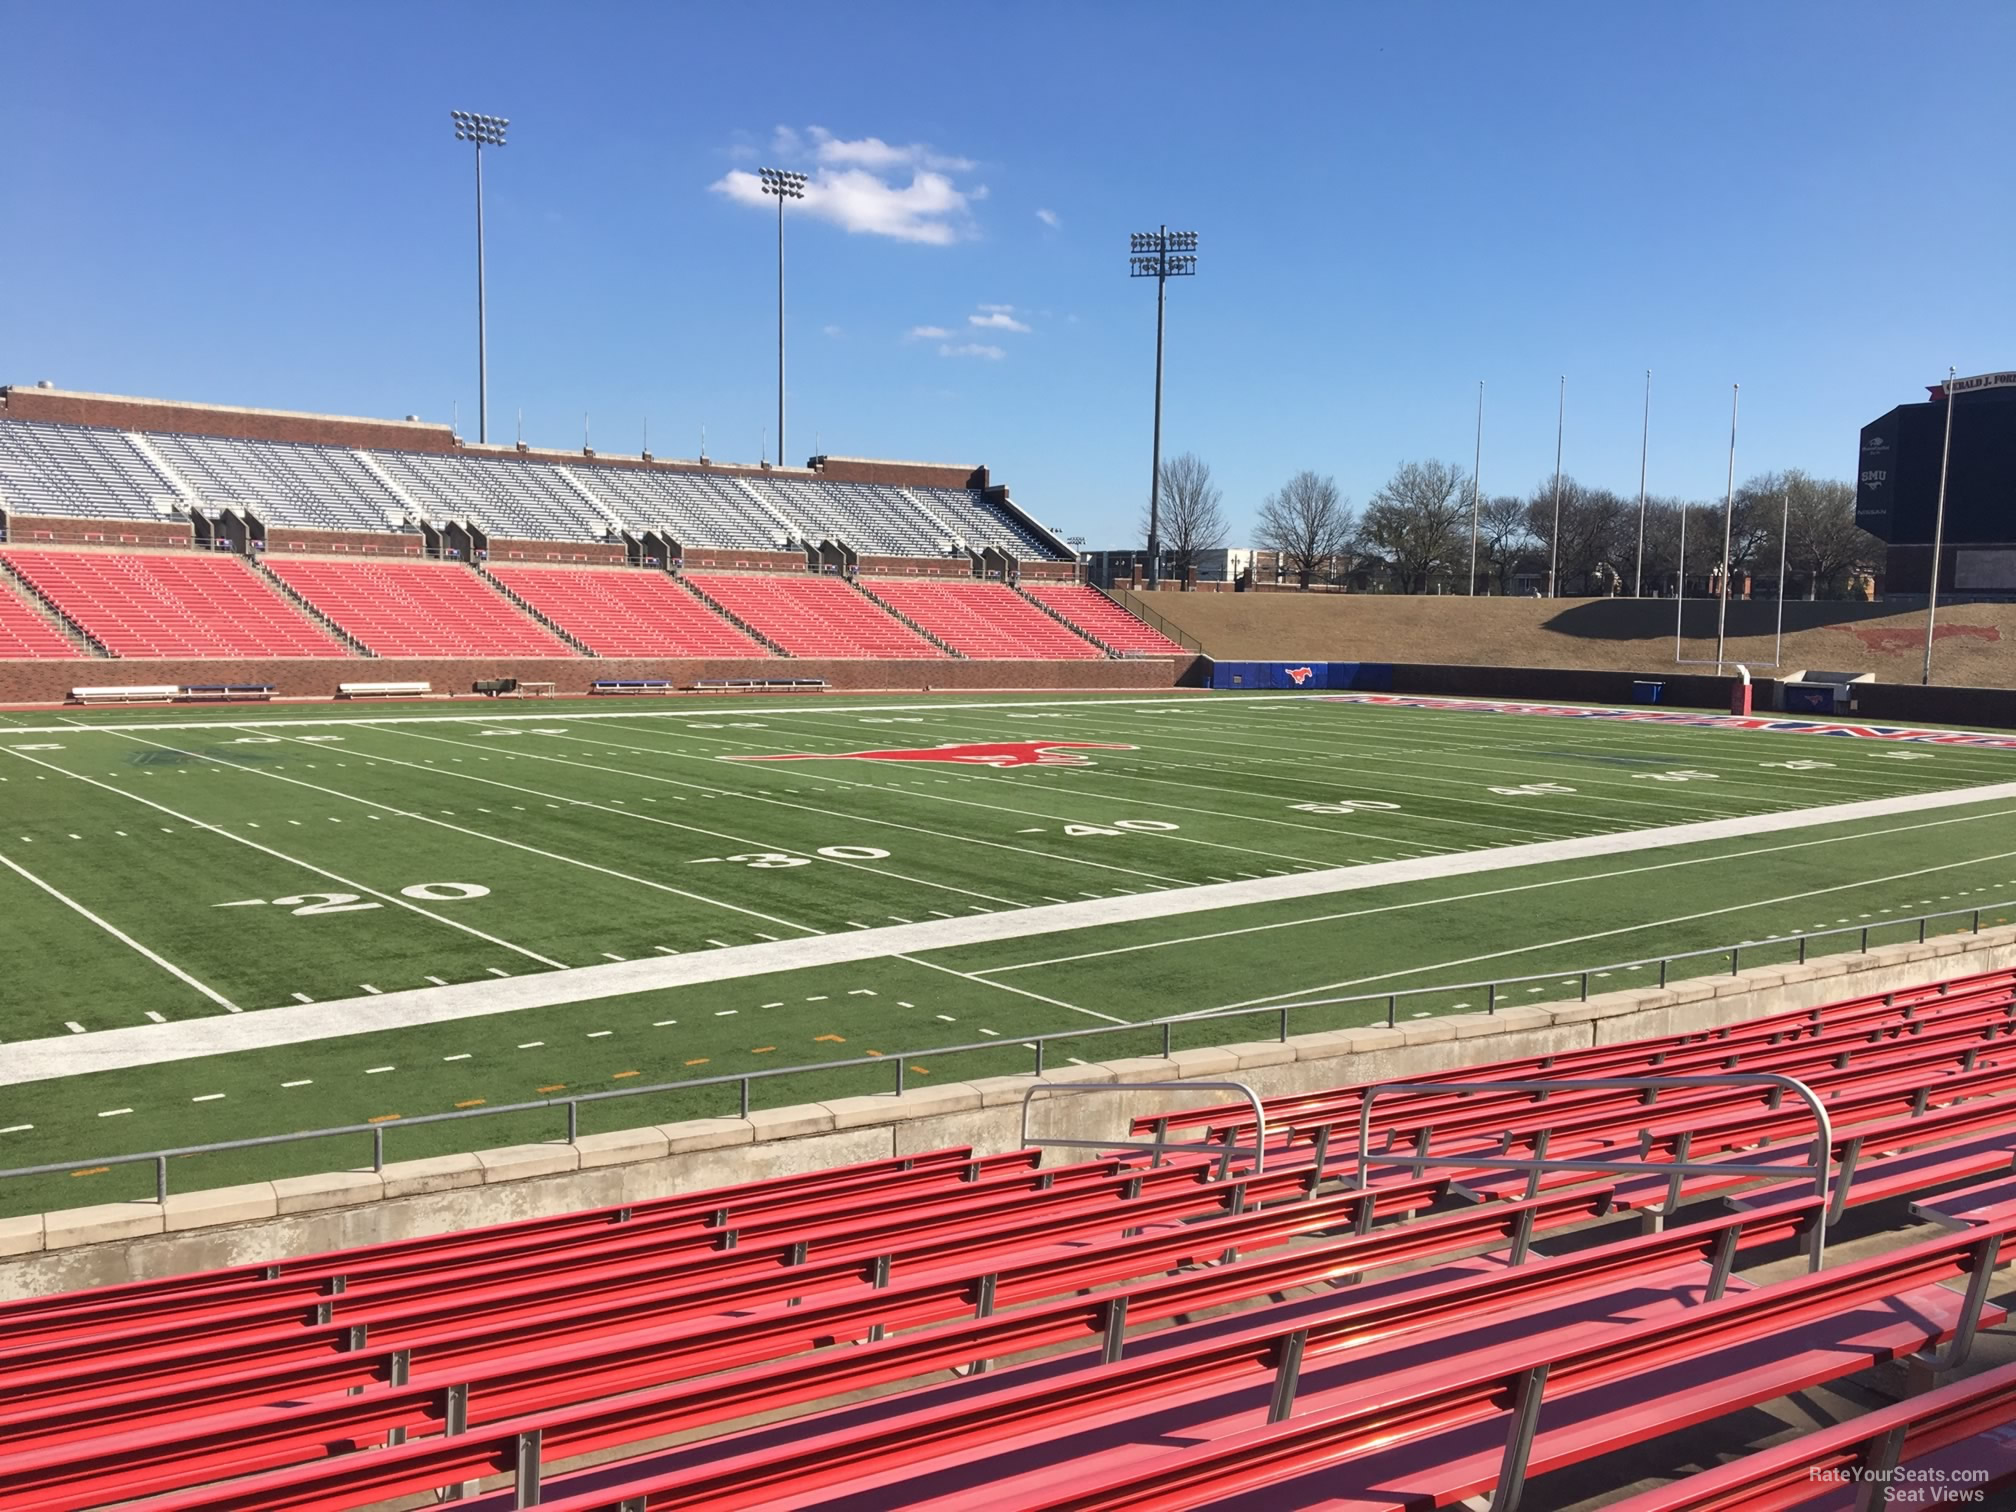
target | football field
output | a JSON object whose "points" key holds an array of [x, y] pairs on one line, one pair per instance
{"points": [[225, 923]]}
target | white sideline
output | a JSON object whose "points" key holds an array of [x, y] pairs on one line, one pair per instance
{"points": [[188, 1039]]}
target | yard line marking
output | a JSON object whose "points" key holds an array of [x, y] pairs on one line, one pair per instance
{"points": [[497, 971], [378, 1070], [600, 1033], [368, 987], [111, 1049], [754, 797], [319, 871], [209, 1097], [1018, 991], [73, 1026], [437, 981], [120, 935], [304, 1082], [114, 1112], [155, 1017], [17, 1129], [302, 997], [533, 1045], [463, 1056]]}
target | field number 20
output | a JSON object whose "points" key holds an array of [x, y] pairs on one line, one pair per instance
{"points": [[307, 905]]}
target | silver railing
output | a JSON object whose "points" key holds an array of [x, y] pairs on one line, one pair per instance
{"points": [[1279, 1018]]}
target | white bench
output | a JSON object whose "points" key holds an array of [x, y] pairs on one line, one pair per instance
{"points": [[383, 689], [158, 693]]}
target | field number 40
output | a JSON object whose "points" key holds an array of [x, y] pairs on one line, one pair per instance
{"points": [[1685, 775]]}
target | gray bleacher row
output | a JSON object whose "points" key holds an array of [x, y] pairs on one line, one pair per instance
{"points": [[104, 474]]}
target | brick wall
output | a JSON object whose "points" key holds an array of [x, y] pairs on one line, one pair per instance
{"points": [[599, 552], [23, 682], [932, 567], [735, 558], [32, 530], [286, 541], [902, 474], [61, 407]]}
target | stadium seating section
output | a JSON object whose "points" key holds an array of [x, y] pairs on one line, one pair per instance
{"points": [[418, 608], [813, 616], [619, 611], [24, 634], [139, 603], [981, 619], [1318, 1328], [1102, 619], [95, 473]]}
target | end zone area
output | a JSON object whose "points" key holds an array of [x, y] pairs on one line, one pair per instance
{"points": [[228, 924]]}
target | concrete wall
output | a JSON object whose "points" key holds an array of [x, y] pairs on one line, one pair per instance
{"points": [[27, 682], [260, 1221]]}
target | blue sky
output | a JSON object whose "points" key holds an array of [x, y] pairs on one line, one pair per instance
{"points": [[263, 204]]}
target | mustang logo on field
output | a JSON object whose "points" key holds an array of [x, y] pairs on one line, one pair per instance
{"points": [[1298, 675], [1007, 753]]}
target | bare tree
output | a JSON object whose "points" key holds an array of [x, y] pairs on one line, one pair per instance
{"points": [[1307, 524], [1823, 539], [1502, 538], [1420, 522], [1593, 528], [1192, 520]]}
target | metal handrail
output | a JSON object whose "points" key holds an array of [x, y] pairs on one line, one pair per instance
{"points": [[745, 1080], [1160, 1145]]}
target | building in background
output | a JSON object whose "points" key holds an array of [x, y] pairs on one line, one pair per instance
{"points": [[1897, 492]]}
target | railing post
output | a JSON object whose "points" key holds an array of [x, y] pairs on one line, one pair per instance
{"points": [[1585, 986], [1116, 1331], [1977, 921], [1287, 1374], [1039, 1054], [1735, 959], [1921, 930], [1284, 1024], [526, 1470], [745, 1098], [378, 1147], [1865, 939], [899, 1076], [161, 1179], [1526, 1393], [1168, 1045], [573, 1120], [1662, 970], [1802, 950], [1490, 997], [1392, 1010]]}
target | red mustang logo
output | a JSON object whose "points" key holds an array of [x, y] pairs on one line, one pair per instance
{"points": [[1298, 675], [1007, 753]]}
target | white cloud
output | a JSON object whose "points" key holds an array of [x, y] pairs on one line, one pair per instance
{"points": [[1049, 218], [834, 331], [927, 333], [972, 349], [858, 185], [997, 320]]}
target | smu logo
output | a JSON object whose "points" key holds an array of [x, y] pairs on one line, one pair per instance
{"points": [[1298, 675], [1009, 753]]}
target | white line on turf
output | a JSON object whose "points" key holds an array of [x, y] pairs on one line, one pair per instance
{"points": [[121, 936], [148, 1044], [361, 887]]}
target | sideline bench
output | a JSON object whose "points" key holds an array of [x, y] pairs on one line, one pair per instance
{"points": [[228, 692], [383, 689], [631, 685], [154, 693], [758, 684]]}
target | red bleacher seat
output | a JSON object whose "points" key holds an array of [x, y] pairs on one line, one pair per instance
{"points": [[981, 619], [156, 604], [1098, 616], [813, 616], [24, 634], [419, 608], [626, 611]]}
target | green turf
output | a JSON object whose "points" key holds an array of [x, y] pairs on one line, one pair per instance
{"points": [[599, 833]]}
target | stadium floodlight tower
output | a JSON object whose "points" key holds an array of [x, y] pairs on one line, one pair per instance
{"points": [[786, 186], [484, 131], [1160, 255]]}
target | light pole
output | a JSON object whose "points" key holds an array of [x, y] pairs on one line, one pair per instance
{"points": [[1644, 446], [785, 185], [1476, 496], [1938, 529], [1160, 255], [484, 131], [1728, 526], [1554, 556]]}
